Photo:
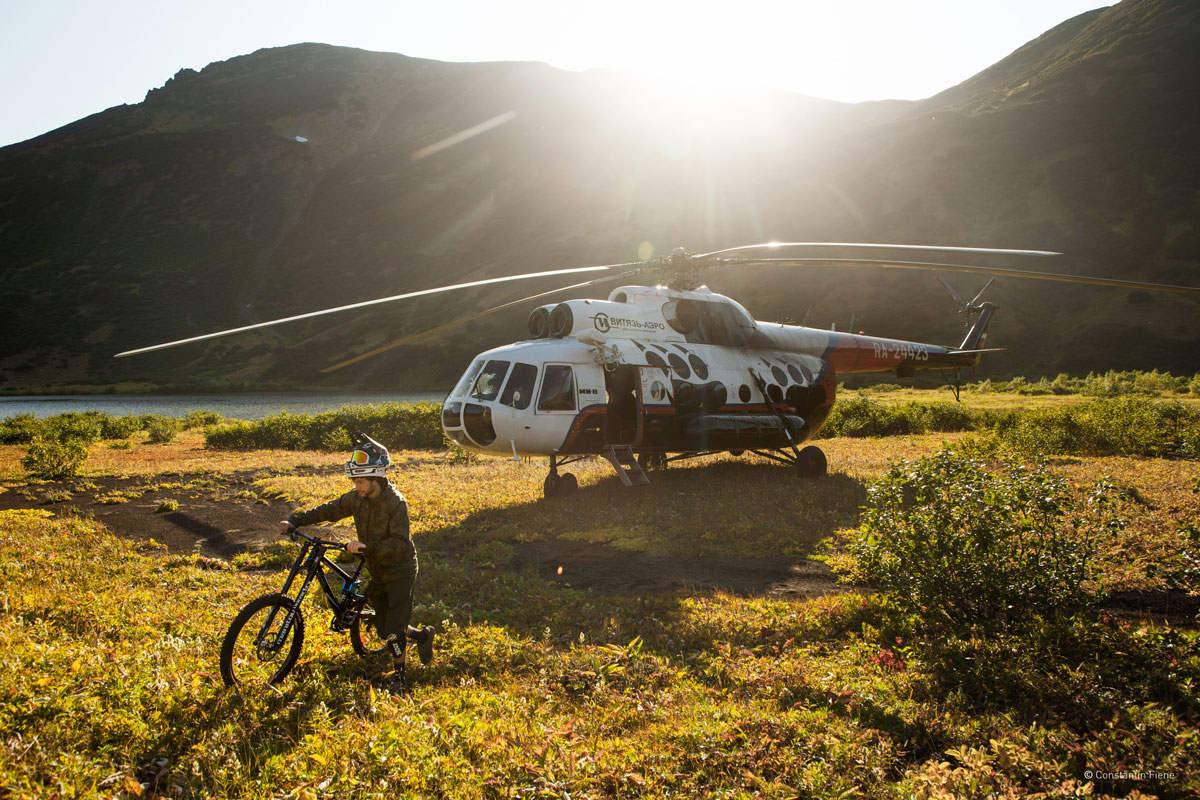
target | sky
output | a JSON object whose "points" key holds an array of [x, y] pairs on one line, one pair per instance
{"points": [[61, 60]]}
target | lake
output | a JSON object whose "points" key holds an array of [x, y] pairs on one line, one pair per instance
{"points": [[250, 405]]}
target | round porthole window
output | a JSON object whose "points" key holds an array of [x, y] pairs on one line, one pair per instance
{"points": [[680, 366], [779, 374], [658, 392], [794, 371], [744, 393], [698, 366]]}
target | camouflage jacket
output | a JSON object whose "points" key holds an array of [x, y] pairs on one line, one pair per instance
{"points": [[381, 523]]}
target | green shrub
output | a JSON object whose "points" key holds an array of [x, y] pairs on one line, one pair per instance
{"points": [[1182, 573], [397, 425], [1110, 384], [85, 427], [1115, 384], [1127, 425], [336, 439], [235, 435], [945, 536], [1064, 384], [167, 506], [285, 430], [54, 459], [160, 429], [201, 419], [21, 429], [119, 427], [937, 417], [862, 416], [1044, 432]]}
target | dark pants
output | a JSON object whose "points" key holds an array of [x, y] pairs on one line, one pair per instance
{"points": [[393, 602]]}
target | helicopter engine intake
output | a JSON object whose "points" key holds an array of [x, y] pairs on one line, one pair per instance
{"points": [[539, 322], [561, 320]]}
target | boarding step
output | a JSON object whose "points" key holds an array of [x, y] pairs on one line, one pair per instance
{"points": [[626, 464]]}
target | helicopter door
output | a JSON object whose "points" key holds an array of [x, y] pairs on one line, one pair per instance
{"points": [[624, 417], [656, 412]]}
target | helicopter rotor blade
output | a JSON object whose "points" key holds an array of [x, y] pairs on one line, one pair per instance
{"points": [[957, 297], [922, 265], [416, 337], [975, 299], [876, 246], [366, 303]]}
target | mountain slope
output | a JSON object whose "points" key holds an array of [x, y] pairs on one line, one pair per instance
{"points": [[307, 176]]}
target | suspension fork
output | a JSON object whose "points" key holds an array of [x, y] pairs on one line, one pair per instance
{"points": [[312, 562], [301, 560]]}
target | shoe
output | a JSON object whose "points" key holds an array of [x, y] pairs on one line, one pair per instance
{"points": [[425, 648]]}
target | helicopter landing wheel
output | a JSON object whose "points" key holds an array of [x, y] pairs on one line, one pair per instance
{"points": [[560, 485], [811, 463]]}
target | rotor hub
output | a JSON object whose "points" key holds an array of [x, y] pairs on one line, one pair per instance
{"points": [[684, 271]]}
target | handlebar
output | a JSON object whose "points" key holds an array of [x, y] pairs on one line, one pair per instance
{"points": [[293, 532]]}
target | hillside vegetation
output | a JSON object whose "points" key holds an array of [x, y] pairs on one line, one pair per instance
{"points": [[308, 176]]}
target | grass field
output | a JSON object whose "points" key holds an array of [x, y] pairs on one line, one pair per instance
{"points": [[110, 684]]}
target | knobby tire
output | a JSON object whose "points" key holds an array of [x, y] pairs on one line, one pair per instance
{"points": [[363, 637], [241, 662]]}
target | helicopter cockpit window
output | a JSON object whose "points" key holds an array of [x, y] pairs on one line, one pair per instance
{"points": [[558, 389], [519, 390], [467, 380], [487, 386]]}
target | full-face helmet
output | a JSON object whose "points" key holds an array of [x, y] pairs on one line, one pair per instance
{"points": [[369, 458]]}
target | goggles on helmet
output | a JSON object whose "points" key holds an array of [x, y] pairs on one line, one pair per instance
{"points": [[368, 459]]}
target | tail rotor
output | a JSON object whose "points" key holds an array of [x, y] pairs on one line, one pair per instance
{"points": [[968, 310]]}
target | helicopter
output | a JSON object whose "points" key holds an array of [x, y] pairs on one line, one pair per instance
{"points": [[670, 370]]}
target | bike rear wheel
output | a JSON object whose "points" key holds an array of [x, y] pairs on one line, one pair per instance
{"points": [[364, 638], [254, 653]]}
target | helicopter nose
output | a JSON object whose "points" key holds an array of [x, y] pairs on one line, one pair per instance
{"points": [[468, 423], [452, 422], [477, 419]]}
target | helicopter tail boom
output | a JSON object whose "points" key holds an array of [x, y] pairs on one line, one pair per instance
{"points": [[859, 353]]}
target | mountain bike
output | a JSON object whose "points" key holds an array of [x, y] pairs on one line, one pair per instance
{"points": [[264, 641]]}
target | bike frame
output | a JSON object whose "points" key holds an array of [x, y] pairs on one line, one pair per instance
{"points": [[313, 560]]}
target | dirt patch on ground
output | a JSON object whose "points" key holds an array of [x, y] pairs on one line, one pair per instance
{"points": [[607, 570], [217, 516]]}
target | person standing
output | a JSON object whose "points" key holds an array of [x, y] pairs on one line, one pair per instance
{"points": [[380, 515]]}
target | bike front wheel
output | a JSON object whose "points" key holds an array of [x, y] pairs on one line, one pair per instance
{"points": [[257, 650], [363, 635]]}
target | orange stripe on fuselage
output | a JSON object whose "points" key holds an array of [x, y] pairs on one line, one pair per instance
{"points": [[852, 353]]}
